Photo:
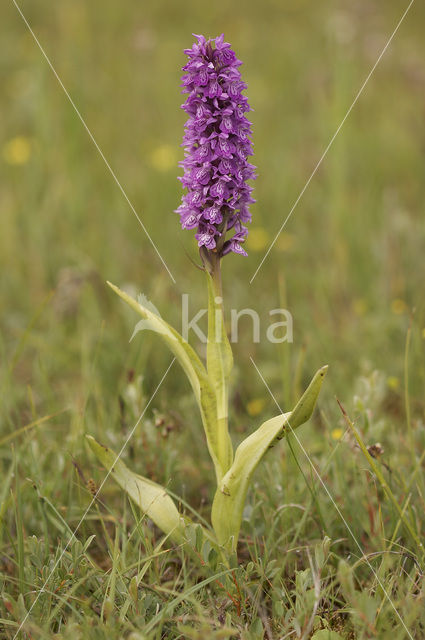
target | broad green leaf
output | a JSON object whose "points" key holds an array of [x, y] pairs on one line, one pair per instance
{"points": [[184, 353], [219, 366], [230, 496], [192, 366], [149, 496], [153, 500]]}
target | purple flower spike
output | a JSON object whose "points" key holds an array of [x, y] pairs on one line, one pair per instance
{"points": [[217, 145]]}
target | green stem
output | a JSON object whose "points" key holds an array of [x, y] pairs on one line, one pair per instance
{"points": [[216, 276], [219, 360], [223, 390]]}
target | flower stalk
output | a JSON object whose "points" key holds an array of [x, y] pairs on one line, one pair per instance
{"points": [[219, 361]]}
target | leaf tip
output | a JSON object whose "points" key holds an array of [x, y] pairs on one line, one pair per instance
{"points": [[95, 446], [90, 440], [113, 287]]}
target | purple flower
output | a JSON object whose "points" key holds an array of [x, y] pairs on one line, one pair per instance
{"points": [[217, 145]]}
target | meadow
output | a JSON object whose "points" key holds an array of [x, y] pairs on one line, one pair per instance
{"points": [[332, 538]]}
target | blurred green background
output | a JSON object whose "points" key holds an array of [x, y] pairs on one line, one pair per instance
{"points": [[349, 264], [351, 256]]}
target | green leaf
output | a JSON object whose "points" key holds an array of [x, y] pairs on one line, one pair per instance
{"points": [[219, 366], [230, 496], [149, 496], [192, 366]]}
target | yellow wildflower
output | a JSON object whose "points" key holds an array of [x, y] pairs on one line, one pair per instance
{"points": [[164, 157], [359, 306], [393, 382], [17, 151], [398, 306], [255, 406]]}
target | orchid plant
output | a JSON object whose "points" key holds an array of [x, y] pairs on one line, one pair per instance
{"points": [[216, 203]]}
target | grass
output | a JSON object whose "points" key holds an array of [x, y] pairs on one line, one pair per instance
{"points": [[347, 265]]}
